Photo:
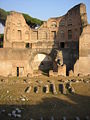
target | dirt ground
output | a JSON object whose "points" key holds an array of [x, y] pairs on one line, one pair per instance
{"points": [[37, 105]]}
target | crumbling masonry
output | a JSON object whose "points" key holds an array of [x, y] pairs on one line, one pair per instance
{"points": [[60, 46]]}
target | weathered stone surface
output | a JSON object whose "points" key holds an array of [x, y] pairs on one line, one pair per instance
{"points": [[62, 70], [81, 66], [71, 73], [64, 118], [77, 118], [53, 46]]}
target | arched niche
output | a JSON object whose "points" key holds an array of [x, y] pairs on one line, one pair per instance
{"points": [[53, 24], [42, 62]]}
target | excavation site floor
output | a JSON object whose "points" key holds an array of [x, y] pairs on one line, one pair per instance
{"points": [[26, 99]]}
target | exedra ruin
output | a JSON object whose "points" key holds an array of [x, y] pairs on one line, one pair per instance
{"points": [[60, 46]]}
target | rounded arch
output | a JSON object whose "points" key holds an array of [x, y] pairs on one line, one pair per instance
{"points": [[41, 61], [53, 24]]}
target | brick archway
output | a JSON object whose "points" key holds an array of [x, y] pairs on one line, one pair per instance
{"points": [[41, 58], [42, 62]]}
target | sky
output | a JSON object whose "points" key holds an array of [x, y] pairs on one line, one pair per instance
{"points": [[43, 9]]}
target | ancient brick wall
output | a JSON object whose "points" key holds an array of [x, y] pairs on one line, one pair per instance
{"points": [[62, 30], [60, 33], [16, 31], [83, 63]]}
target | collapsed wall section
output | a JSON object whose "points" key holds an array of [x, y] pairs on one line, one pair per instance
{"points": [[60, 33], [16, 32], [83, 63]]}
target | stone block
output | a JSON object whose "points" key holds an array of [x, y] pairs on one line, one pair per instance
{"points": [[62, 70], [71, 73]]}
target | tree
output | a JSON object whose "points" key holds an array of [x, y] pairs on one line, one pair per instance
{"points": [[32, 22]]}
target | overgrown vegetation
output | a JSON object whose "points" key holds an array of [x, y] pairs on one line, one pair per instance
{"points": [[32, 22], [3, 16], [1, 40]]}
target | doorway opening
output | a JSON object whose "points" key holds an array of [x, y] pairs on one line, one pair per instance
{"points": [[62, 44], [20, 71], [42, 62], [17, 71]]}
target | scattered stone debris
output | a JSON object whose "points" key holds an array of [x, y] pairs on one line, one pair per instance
{"points": [[29, 75], [64, 118], [23, 98], [9, 114], [77, 118], [31, 119], [87, 118], [2, 80], [41, 118], [86, 80], [40, 81], [5, 80], [73, 80], [7, 91], [77, 81], [15, 113], [69, 87], [18, 115], [60, 80], [3, 111], [18, 110], [71, 90], [25, 80], [52, 118], [48, 81]]}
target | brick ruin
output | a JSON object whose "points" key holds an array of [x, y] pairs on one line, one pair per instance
{"points": [[60, 46]]}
